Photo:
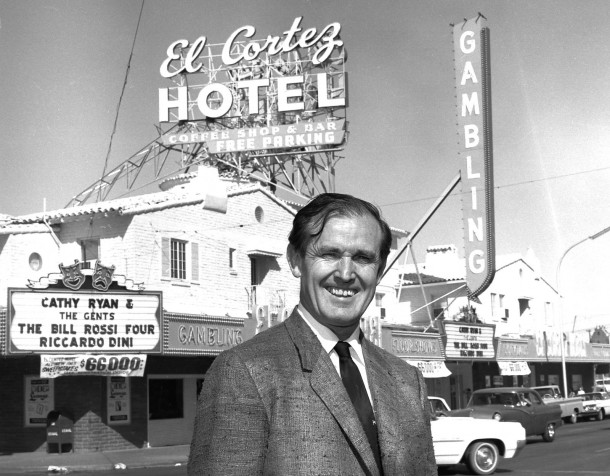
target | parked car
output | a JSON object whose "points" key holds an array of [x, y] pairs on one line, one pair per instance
{"points": [[597, 404], [474, 442], [571, 407], [517, 404], [602, 385]]}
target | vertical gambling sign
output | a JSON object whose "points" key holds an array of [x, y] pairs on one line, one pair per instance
{"points": [[473, 94]]}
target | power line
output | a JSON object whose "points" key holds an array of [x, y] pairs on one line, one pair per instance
{"points": [[498, 187], [116, 117]]}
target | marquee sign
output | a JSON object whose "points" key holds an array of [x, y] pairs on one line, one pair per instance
{"points": [[283, 92], [202, 335], [514, 349], [473, 93], [414, 345], [83, 310], [60, 322], [468, 341]]}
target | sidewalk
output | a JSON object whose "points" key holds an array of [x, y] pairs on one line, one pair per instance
{"points": [[40, 461]]}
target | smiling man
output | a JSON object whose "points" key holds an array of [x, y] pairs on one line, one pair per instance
{"points": [[311, 396]]}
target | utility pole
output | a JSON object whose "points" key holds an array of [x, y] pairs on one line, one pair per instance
{"points": [[563, 353]]}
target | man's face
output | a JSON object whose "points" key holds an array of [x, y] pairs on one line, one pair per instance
{"points": [[340, 271]]}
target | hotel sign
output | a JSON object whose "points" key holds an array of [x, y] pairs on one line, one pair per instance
{"points": [[301, 134], [473, 93], [284, 91]]}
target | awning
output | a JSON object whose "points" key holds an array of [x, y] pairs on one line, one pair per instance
{"points": [[431, 368], [514, 368], [258, 252], [260, 246]]}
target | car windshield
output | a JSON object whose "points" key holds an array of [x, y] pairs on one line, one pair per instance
{"points": [[548, 392], [591, 396], [437, 405], [494, 399]]}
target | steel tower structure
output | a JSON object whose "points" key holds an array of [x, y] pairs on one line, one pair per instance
{"points": [[296, 172]]}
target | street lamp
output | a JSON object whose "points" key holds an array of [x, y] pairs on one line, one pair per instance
{"points": [[563, 354]]}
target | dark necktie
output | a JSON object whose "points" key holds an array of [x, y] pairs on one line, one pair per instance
{"points": [[357, 393]]}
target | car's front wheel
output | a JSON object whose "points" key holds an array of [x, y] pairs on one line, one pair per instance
{"points": [[600, 415], [549, 433], [482, 457]]}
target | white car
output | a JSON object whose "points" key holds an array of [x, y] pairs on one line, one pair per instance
{"points": [[600, 402], [478, 443], [602, 385]]}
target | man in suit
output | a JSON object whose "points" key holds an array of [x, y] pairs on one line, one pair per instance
{"points": [[288, 401]]}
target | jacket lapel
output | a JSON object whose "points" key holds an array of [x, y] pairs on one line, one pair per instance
{"points": [[383, 391], [326, 383]]}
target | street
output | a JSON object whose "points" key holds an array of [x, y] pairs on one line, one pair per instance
{"points": [[583, 449], [153, 471]]}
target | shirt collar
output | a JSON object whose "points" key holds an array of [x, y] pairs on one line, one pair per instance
{"points": [[327, 338]]}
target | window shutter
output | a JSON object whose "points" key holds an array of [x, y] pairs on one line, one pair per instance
{"points": [[165, 271], [195, 261]]}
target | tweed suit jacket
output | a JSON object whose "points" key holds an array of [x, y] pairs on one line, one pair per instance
{"points": [[275, 405]]}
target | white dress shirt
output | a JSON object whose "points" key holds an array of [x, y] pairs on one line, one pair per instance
{"points": [[328, 339]]}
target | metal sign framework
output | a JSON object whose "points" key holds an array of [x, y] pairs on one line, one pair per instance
{"points": [[298, 171]]}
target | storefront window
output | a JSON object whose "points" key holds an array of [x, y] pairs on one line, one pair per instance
{"points": [[165, 399]]}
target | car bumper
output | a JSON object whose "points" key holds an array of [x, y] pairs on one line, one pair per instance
{"points": [[512, 453]]}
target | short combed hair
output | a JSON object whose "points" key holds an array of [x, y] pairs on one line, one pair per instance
{"points": [[310, 221]]}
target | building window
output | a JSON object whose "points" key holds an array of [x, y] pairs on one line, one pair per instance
{"points": [[35, 261], [90, 252], [379, 299], [231, 258], [259, 214], [439, 305], [178, 259], [90, 249]]}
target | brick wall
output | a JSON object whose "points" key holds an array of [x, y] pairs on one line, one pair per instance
{"points": [[87, 408], [219, 290]]}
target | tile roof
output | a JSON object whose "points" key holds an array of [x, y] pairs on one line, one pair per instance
{"points": [[134, 205], [411, 278]]}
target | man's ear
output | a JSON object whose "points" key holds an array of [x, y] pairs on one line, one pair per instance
{"points": [[294, 261]]}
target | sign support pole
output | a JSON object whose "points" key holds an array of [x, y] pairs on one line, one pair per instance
{"points": [[424, 220]]}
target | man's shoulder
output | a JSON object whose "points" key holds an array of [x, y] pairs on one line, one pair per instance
{"points": [[270, 342]]}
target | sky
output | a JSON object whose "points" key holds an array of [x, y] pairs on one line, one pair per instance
{"points": [[63, 64]]}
